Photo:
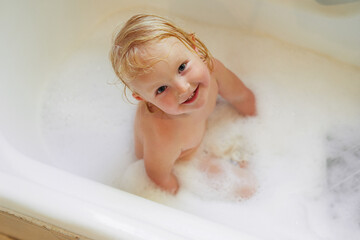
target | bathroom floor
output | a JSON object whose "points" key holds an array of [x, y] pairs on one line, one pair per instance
{"points": [[17, 228]]}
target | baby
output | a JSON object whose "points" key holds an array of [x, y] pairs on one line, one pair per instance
{"points": [[176, 81]]}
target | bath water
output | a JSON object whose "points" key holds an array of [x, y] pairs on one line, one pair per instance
{"points": [[303, 146]]}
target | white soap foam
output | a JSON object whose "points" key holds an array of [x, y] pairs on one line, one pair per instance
{"points": [[303, 100]]}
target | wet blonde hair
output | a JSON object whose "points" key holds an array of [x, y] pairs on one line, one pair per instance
{"points": [[143, 29]]}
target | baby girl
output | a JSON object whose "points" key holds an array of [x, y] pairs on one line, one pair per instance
{"points": [[176, 81]]}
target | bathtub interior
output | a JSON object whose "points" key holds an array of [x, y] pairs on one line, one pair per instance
{"points": [[60, 106]]}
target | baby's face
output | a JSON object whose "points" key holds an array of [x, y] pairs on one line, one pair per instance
{"points": [[178, 83]]}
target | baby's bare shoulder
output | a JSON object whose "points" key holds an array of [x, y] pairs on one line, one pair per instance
{"points": [[159, 137], [219, 68], [155, 127]]}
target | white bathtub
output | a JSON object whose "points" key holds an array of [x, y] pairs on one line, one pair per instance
{"points": [[38, 35]]}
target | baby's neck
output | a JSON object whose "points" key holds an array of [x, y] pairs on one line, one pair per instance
{"points": [[158, 113], [155, 111], [151, 107]]}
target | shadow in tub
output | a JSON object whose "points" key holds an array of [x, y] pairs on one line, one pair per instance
{"points": [[343, 174]]}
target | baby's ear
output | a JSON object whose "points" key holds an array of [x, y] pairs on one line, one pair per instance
{"points": [[137, 97]]}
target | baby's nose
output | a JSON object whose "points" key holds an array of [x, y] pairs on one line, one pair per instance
{"points": [[182, 86]]}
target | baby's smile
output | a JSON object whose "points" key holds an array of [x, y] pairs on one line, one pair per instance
{"points": [[193, 96]]}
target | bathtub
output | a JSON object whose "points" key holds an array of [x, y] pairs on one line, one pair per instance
{"points": [[38, 36]]}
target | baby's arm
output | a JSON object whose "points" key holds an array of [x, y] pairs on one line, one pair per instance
{"points": [[160, 154], [234, 91], [159, 169]]}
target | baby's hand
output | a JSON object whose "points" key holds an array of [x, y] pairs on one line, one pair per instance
{"points": [[247, 104], [169, 184]]}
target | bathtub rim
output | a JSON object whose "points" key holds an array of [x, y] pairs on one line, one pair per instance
{"points": [[92, 209]]}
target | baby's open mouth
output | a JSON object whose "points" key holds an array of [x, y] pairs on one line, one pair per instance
{"points": [[192, 96]]}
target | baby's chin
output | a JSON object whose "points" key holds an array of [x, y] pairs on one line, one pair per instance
{"points": [[179, 112], [166, 111], [184, 109]]}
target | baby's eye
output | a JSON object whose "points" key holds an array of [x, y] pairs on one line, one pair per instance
{"points": [[182, 67], [161, 90]]}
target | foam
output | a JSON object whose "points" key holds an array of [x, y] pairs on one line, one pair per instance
{"points": [[303, 100], [193, 175]]}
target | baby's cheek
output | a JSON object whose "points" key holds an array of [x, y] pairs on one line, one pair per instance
{"points": [[168, 104], [206, 77]]}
